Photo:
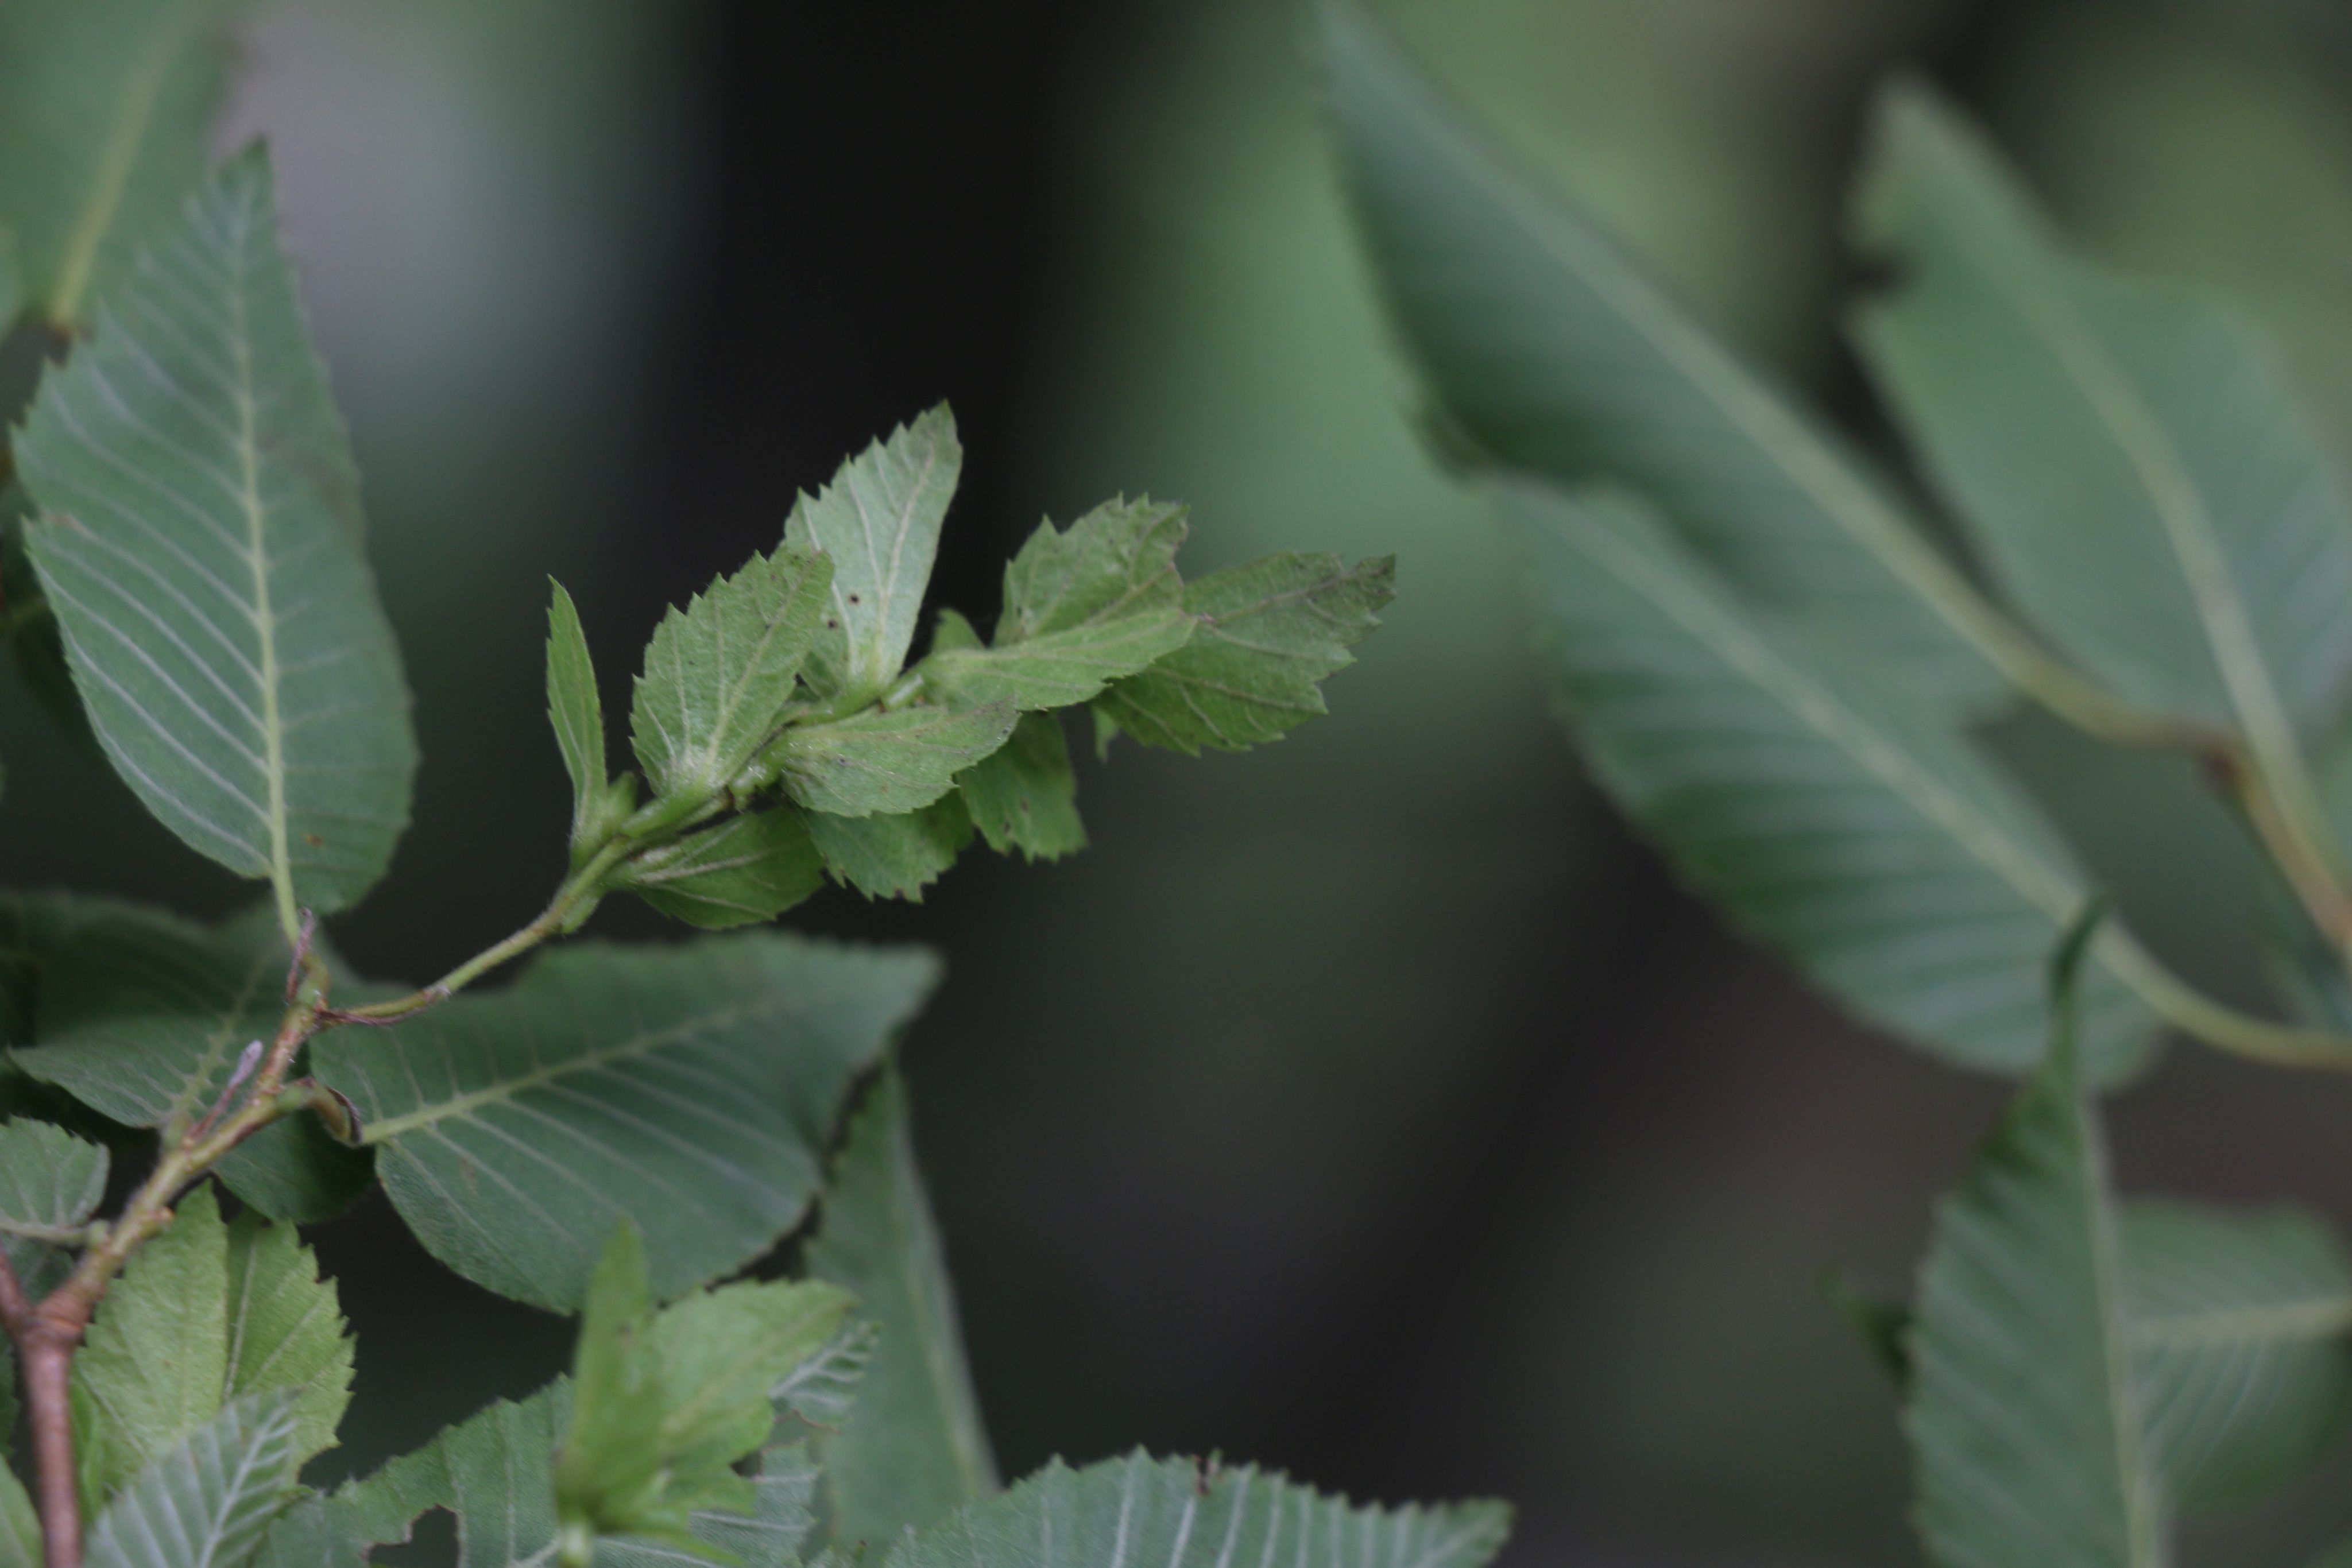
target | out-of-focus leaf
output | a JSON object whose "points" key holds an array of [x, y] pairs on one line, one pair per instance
{"points": [[719, 673], [665, 1405], [2131, 460], [2024, 1415], [208, 1501], [1024, 796], [746, 870], [199, 539], [912, 1448], [1834, 819], [1268, 634], [690, 1089], [50, 1181], [879, 520], [1549, 349], [893, 857], [104, 114], [1195, 1513], [2241, 1343]]}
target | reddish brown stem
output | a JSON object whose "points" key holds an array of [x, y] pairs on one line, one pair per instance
{"points": [[44, 1338]]}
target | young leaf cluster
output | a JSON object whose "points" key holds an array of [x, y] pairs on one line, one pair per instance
{"points": [[1777, 667], [622, 1132]]}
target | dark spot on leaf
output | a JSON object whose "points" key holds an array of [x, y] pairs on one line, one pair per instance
{"points": [[314, 840], [831, 625], [853, 599]]}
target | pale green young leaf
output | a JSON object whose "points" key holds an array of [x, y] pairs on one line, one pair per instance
{"points": [[1549, 349], [688, 1089], [1025, 795], [50, 1181], [199, 539], [146, 1017], [1081, 608], [285, 1328], [719, 673], [2131, 460], [20, 1524], [879, 520], [664, 1406], [1267, 634], [1833, 819], [495, 1473], [893, 857], [205, 1313], [2241, 1343], [577, 713], [104, 114], [208, 1500], [724, 1353], [748, 868], [2023, 1413], [1195, 1513], [155, 1364], [884, 762], [912, 1448]]}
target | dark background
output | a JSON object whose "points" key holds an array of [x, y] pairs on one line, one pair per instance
{"points": [[1370, 1105]]}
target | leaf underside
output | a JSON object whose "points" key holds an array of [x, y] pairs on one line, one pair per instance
{"points": [[200, 542], [688, 1089]]}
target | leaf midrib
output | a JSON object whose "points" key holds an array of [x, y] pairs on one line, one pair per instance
{"points": [[2313, 1319], [465, 1104], [885, 589]]}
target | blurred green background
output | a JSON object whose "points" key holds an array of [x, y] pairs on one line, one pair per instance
{"points": [[1371, 1104]]}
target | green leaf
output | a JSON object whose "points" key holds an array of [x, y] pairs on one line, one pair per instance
{"points": [[822, 1389], [20, 1524], [200, 542], [893, 857], [1549, 349], [50, 1181], [30, 626], [203, 1314], [208, 1500], [1269, 633], [145, 1016], [1081, 609], [577, 713], [720, 672], [2241, 1345], [665, 1405], [2130, 460], [912, 1448], [688, 1089], [884, 762], [1834, 821], [2023, 1416], [496, 1474], [879, 520], [748, 868], [104, 115], [1024, 796], [1194, 1513]]}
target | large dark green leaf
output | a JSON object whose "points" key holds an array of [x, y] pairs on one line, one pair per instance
{"points": [[913, 1448], [1549, 349], [208, 1501], [199, 539], [104, 112], [2131, 459], [690, 1089], [1836, 821], [1193, 1513]]}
